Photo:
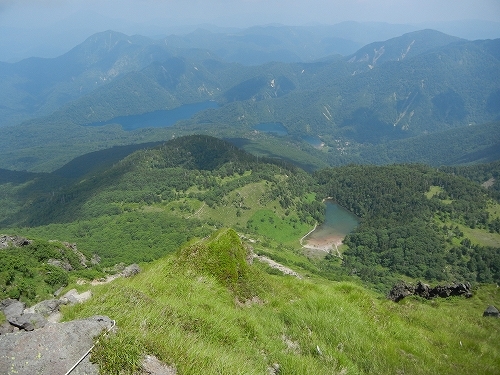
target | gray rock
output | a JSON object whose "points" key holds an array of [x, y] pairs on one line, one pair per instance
{"points": [[402, 290], [45, 308], [74, 297], [16, 241], [60, 263], [491, 311], [53, 349], [28, 322], [152, 366], [131, 270], [6, 328], [12, 307]]}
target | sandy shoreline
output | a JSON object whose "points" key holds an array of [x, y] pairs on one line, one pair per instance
{"points": [[325, 244]]}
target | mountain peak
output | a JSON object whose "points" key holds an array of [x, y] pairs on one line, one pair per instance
{"points": [[402, 47]]}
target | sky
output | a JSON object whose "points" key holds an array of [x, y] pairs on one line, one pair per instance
{"points": [[47, 28], [251, 12]]}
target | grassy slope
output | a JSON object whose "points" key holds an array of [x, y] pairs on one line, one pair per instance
{"points": [[190, 319]]}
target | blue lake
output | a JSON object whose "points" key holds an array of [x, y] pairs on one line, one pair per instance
{"points": [[313, 141], [158, 119], [271, 127], [338, 223]]}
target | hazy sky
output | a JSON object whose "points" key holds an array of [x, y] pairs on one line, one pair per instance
{"points": [[250, 12], [48, 28]]}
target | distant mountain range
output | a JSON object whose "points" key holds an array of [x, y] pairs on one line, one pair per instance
{"points": [[414, 85]]}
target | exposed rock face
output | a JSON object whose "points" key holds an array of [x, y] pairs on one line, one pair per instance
{"points": [[28, 321], [491, 311], [6, 241], [38, 315], [402, 290], [131, 270], [74, 297], [11, 307], [53, 349], [61, 264], [45, 308]]}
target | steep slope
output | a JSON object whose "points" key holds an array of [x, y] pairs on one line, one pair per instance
{"points": [[35, 86], [191, 321], [442, 84], [399, 48], [443, 88], [464, 145]]}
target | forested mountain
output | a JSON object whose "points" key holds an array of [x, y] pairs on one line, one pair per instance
{"points": [[399, 48], [335, 111], [195, 210], [407, 212], [38, 86], [465, 145]]}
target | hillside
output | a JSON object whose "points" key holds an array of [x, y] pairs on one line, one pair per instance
{"points": [[437, 224], [332, 111], [190, 319], [205, 220], [35, 87]]}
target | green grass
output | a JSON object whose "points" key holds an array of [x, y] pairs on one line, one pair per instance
{"points": [[284, 229], [188, 318], [481, 237], [435, 190], [493, 210]]}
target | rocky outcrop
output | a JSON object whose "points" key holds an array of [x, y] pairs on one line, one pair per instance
{"points": [[16, 316], [74, 297], [21, 318], [45, 308], [53, 349], [402, 290], [16, 241], [131, 270]]}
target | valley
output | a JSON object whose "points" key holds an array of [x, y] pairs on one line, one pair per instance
{"points": [[271, 195]]}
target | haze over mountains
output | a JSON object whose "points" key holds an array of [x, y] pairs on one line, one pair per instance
{"points": [[333, 105]]}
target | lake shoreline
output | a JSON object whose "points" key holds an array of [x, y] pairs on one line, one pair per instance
{"points": [[329, 236], [326, 244]]}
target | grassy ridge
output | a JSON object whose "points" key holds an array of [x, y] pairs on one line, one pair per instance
{"points": [[189, 319]]}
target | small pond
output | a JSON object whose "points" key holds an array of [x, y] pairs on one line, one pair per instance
{"points": [[338, 223]]}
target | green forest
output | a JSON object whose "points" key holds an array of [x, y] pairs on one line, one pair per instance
{"points": [[416, 222]]}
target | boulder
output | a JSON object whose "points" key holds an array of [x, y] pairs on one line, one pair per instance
{"points": [[152, 366], [400, 291], [131, 270], [45, 308], [64, 264], [16, 241], [12, 307], [6, 328], [74, 297], [28, 322], [491, 311], [423, 290], [53, 349], [460, 289]]}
